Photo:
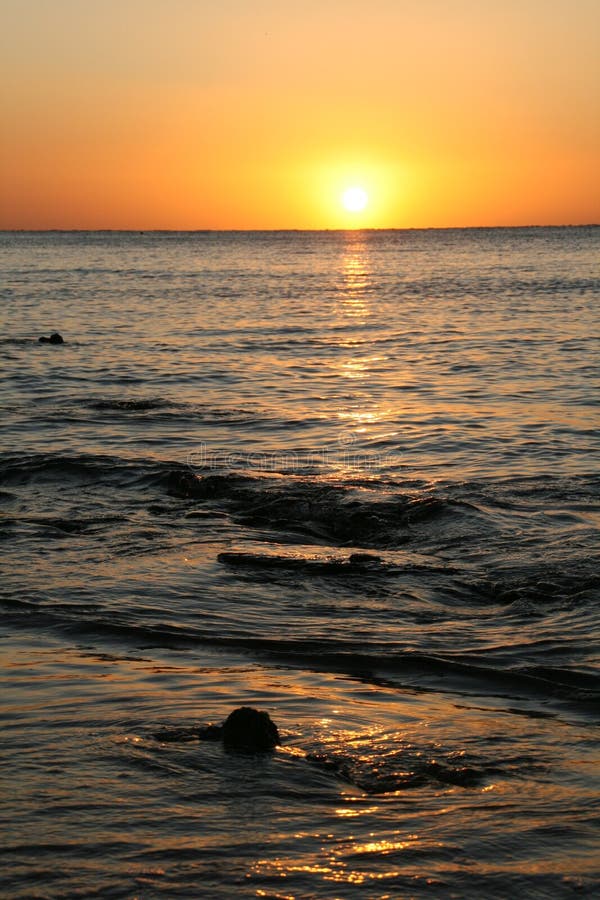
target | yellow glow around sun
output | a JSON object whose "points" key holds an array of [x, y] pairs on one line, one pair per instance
{"points": [[355, 199], [356, 192]]}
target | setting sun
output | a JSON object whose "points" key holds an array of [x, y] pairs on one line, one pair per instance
{"points": [[355, 199]]}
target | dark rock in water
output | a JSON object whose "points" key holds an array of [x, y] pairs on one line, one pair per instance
{"points": [[200, 732], [363, 558], [210, 487], [174, 735], [393, 772], [210, 733], [55, 338], [244, 729], [464, 776], [248, 729], [318, 565]]}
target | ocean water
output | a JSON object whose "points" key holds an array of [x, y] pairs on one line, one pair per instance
{"points": [[349, 478]]}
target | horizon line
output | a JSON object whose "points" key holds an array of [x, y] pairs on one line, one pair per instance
{"points": [[132, 230]]}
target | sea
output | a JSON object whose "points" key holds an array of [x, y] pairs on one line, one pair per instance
{"points": [[348, 478]]}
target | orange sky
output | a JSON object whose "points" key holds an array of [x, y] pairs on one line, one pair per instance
{"points": [[258, 113]]}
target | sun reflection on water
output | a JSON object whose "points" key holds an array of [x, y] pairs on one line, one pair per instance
{"points": [[361, 411], [357, 278]]}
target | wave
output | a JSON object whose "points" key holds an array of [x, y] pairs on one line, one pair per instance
{"points": [[371, 513], [70, 469], [389, 664], [330, 512], [164, 405], [86, 410], [512, 586], [133, 404]]}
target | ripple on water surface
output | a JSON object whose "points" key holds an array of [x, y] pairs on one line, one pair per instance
{"points": [[372, 788]]}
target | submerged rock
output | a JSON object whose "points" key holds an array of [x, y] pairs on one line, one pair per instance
{"points": [[326, 564], [54, 338]]}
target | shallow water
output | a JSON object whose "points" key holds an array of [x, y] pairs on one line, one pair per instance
{"points": [[349, 478]]}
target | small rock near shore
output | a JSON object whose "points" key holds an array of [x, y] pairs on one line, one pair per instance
{"points": [[54, 338]]}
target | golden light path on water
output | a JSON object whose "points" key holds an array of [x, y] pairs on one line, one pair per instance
{"points": [[363, 414], [348, 859]]}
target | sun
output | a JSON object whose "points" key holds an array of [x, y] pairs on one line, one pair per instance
{"points": [[355, 199]]}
